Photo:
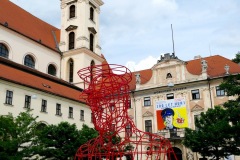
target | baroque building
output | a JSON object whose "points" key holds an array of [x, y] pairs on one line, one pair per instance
{"points": [[39, 62], [39, 65], [185, 88]]}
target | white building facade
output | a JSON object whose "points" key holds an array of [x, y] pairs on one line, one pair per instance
{"points": [[39, 62], [170, 80], [39, 65]]}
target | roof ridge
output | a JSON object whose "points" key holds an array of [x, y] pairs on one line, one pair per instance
{"points": [[23, 22], [37, 73]]}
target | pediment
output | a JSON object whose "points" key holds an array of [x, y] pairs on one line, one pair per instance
{"points": [[197, 108], [71, 27], [68, 2], [168, 60], [147, 114], [92, 29], [168, 63]]}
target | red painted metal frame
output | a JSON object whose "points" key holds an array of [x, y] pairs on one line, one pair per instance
{"points": [[106, 91]]}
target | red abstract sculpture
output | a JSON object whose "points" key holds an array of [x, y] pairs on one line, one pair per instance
{"points": [[107, 93]]}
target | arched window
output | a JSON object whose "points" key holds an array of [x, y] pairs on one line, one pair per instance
{"points": [[29, 61], [3, 51], [92, 69], [91, 13], [72, 11], [91, 42], [71, 65], [168, 76], [71, 40], [39, 127], [52, 70]]}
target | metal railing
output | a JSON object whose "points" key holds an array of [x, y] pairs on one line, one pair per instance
{"points": [[172, 133]]}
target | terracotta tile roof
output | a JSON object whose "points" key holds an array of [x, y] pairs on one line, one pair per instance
{"points": [[19, 74], [215, 68], [146, 75], [28, 25], [215, 64]]}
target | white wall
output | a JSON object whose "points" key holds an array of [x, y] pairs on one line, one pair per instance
{"points": [[50, 117], [82, 21], [19, 46]]}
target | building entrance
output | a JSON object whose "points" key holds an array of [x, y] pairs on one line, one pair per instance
{"points": [[178, 154]]}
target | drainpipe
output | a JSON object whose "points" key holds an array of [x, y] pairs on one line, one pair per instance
{"points": [[210, 94], [135, 115]]}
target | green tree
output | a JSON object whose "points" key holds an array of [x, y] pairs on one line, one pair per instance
{"points": [[17, 136], [237, 58], [213, 137], [86, 134], [232, 87], [60, 142]]}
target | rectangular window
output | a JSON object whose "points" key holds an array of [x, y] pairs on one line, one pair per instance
{"points": [[147, 101], [195, 94], [220, 92], [91, 117], [148, 126], [58, 109], [70, 112], [196, 117], [44, 106], [82, 115], [112, 107], [27, 103], [9, 97], [129, 104], [170, 96], [113, 127], [128, 130]]}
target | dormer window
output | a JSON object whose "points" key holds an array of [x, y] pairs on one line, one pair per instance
{"points": [[91, 13], [72, 11], [168, 76]]}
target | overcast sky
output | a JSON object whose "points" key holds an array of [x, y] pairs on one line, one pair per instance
{"points": [[135, 33]]}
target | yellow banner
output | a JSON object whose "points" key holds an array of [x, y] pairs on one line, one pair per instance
{"points": [[171, 114]]}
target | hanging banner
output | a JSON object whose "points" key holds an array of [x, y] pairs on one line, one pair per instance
{"points": [[171, 114]]}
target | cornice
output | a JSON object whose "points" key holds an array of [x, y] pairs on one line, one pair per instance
{"points": [[83, 50]]}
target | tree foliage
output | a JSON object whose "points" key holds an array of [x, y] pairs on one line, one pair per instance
{"points": [[237, 58], [218, 130], [232, 87], [86, 134], [17, 136], [23, 137], [61, 141], [213, 135]]}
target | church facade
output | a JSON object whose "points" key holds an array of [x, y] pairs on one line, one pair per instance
{"points": [[39, 62]]}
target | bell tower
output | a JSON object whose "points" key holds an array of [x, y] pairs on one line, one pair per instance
{"points": [[79, 39]]}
